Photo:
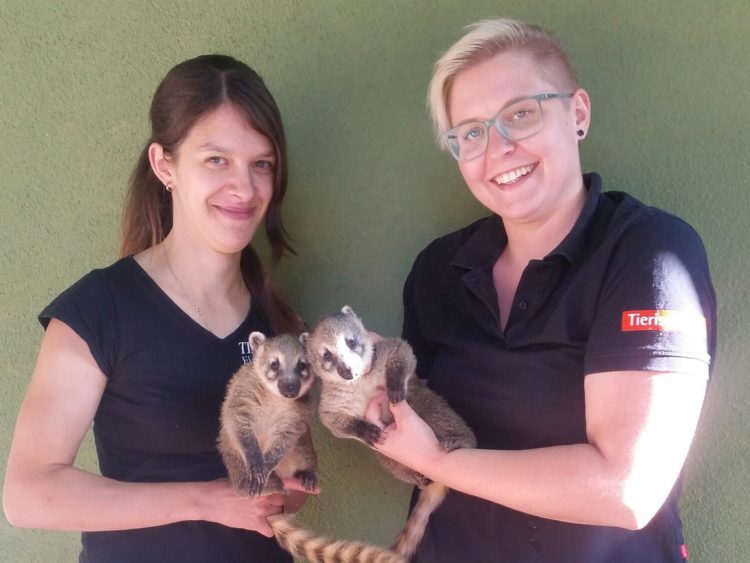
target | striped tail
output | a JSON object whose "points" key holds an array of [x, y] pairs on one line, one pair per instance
{"points": [[429, 499], [304, 544]]}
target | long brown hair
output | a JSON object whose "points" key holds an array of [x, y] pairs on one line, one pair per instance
{"points": [[188, 92]]}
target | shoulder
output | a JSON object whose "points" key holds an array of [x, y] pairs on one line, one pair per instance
{"points": [[107, 276], [93, 291], [645, 230]]}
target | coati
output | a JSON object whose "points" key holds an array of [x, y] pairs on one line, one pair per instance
{"points": [[265, 438], [265, 419], [353, 369]]}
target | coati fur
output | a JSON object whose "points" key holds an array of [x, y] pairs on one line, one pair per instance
{"points": [[353, 369], [265, 437]]}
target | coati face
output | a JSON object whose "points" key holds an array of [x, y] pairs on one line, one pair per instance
{"points": [[281, 363], [340, 347]]}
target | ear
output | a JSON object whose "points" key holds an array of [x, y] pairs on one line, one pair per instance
{"points": [[582, 109], [255, 340], [303, 338], [348, 310], [161, 164]]}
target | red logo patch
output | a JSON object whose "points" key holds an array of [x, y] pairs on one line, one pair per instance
{"points": [[684, 551], [662, 319]]}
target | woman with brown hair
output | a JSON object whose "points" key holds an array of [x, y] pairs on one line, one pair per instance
{"points": [[144, 348]]}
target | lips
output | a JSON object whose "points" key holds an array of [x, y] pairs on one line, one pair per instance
{"points": [[237, 213], [513, 176]]}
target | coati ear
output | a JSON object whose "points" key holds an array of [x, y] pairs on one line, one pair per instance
{"points": [[255, 340], [303, 338], [348, 310]]}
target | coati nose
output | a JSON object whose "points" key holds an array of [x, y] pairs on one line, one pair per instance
{"points": [[289, 389], [344, 372]]}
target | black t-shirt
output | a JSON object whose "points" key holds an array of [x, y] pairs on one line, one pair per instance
{"points": [[158, 418], [627, 289]]}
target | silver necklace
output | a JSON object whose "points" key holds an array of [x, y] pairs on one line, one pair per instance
{"points": [[197, 309]]}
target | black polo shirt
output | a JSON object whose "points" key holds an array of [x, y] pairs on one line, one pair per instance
{"points": [[627, 289]]}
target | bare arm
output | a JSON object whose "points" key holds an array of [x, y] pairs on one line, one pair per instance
{"points": [[639, 426], [43, 489]]}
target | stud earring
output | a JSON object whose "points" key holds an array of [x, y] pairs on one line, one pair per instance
{"points": [[581, 133], [168, 187]]}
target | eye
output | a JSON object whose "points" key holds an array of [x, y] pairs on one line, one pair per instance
{"points": [[327, 356], [521, 114], [301, 366], [473, 133], [217, 160], [274, 365], [264, 165], [351, 343]]}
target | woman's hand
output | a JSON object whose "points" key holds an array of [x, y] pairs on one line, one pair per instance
{"points": [[224, 506], [408, 439], [221, 504]]}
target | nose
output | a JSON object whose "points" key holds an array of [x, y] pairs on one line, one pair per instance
{"points": [[344, 372], [497, 144], [243, 183], [289, 389]]}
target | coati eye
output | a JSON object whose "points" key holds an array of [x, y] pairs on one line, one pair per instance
{"points": [[351, 343], [327, 356], [301, 366], [274, 365]]}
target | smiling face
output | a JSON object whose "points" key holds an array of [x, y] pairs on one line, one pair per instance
{"points": [[222, 179], [527, 181]]}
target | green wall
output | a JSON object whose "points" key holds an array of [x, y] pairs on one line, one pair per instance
{"points": [[669, 82]]}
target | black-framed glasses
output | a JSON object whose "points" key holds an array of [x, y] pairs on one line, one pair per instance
{"points": [[518, 119]]}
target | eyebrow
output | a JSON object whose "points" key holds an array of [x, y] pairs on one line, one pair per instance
{"points": [[211, 147], [501, 108]]}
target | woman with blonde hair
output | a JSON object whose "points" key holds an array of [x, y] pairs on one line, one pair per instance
{"points": [[573, 328]]}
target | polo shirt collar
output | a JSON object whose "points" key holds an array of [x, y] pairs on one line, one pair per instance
{"points": [[573, 245], [484, 246]]}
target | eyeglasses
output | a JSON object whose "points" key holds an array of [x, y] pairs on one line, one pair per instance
{"points": [[518, 120]]}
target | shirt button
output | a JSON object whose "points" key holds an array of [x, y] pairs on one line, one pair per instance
{"points": [[522, 304]]}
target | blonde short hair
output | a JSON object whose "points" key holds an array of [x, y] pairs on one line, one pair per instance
{"points": [[484, 40]]}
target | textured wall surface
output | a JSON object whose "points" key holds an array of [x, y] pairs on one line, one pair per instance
{"points": [[669, 82]]}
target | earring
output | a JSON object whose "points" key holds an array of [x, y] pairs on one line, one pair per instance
{"points": [[168, 187], [581, 133]]}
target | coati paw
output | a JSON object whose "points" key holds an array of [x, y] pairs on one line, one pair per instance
{"points": [[274, 484], [396, 394], [370, 433], [421, 481], [241, 485], [308, 478], [256, 483], [456, 443]]}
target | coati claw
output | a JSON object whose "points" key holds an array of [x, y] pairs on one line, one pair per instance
{"points": [[370, 433], [308, 478], [396, 395], [256, 484]]}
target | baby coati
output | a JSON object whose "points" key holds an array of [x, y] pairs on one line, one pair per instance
{"points": [[265, 438], [265, 419], [353, 369]]}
